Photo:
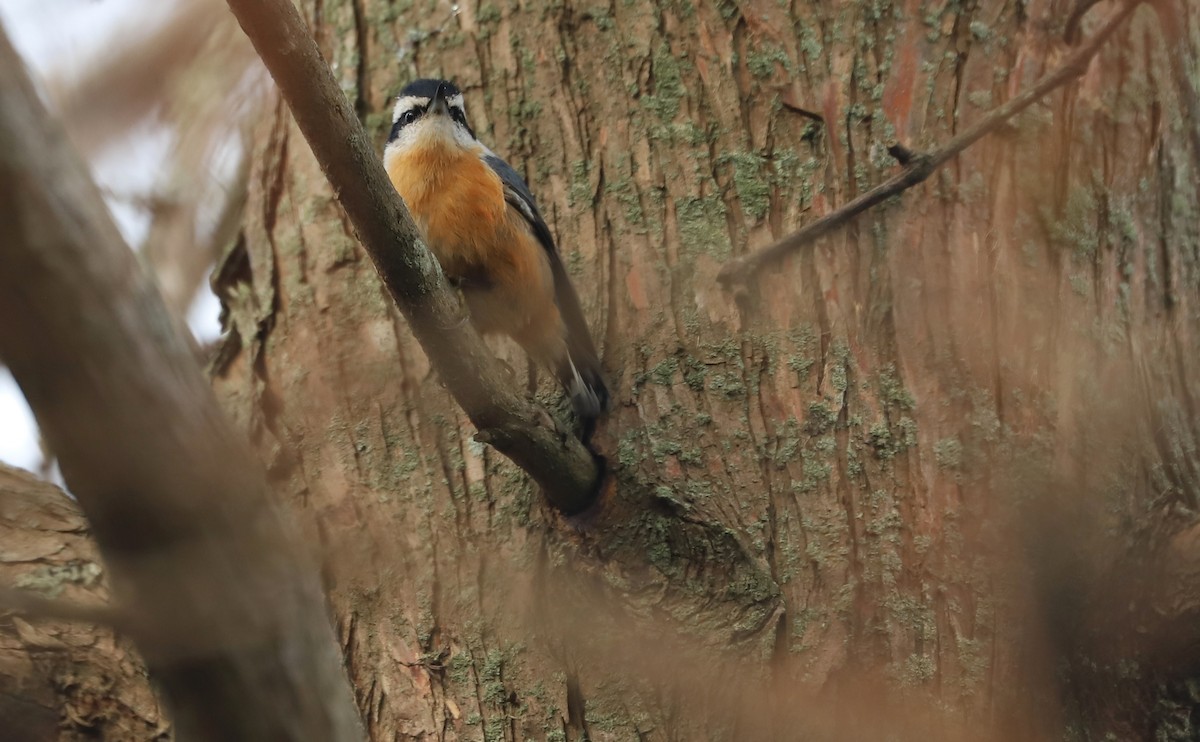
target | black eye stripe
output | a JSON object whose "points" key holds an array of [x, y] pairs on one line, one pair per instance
{"points": [[405, 119], [458, 115], [416, 112]]}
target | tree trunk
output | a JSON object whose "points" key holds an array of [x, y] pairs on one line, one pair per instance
{"points": [[931, 464], [62, 680]]}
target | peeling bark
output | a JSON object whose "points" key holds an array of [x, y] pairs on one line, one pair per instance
{"points": [[62, 680]]}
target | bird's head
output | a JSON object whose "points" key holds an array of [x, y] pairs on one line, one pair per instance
{"points": [[430, 113]]}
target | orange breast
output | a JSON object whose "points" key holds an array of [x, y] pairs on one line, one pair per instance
{"points": [[457, 202]]}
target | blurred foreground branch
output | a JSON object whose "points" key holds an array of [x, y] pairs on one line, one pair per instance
{"points": [[736, 274], [231, 619], [142, 75], [190, 74], [508, 421]]}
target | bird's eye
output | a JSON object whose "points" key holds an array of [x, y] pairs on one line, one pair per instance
{"points": [[402, 121]]}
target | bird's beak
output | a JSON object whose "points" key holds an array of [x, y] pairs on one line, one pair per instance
{"points": [[438, 105]]}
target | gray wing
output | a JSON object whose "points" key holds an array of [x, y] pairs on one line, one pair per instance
{"points": [[583, 358], [516, 192]]}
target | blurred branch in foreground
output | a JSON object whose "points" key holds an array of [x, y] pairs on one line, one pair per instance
{"points": [[193, 75], [230, 616], [155, 69]]}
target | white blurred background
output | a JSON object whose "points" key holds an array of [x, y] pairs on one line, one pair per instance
{"points": [[156, 97]]}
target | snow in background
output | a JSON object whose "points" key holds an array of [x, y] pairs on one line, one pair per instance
{"points": [[64, 36]]}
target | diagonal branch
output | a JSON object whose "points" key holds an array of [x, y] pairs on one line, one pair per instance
{"points": [[736, 274], [230, 615], [566, 471]]}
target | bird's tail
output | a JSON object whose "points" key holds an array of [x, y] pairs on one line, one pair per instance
{"points": [[581, 376]]}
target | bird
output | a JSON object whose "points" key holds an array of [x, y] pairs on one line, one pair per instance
{"points": [[479, 218]]}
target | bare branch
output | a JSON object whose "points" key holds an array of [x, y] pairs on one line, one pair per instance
{"points": [[564, 468], [736, 274], [231, 619]]}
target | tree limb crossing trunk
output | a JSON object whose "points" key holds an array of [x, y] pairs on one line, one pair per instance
{"points": [[229, 614]]}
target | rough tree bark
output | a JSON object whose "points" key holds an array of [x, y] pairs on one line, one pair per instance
{"points": [[58, 679], [919, 485]]}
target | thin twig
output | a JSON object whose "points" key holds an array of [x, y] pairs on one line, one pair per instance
{"points": [[565, 469], [736, 274]]}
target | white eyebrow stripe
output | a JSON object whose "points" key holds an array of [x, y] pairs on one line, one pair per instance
{"points": [[407, 103]]}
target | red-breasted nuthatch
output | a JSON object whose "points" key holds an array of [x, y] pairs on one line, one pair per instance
{"points": [[478, 217]]}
